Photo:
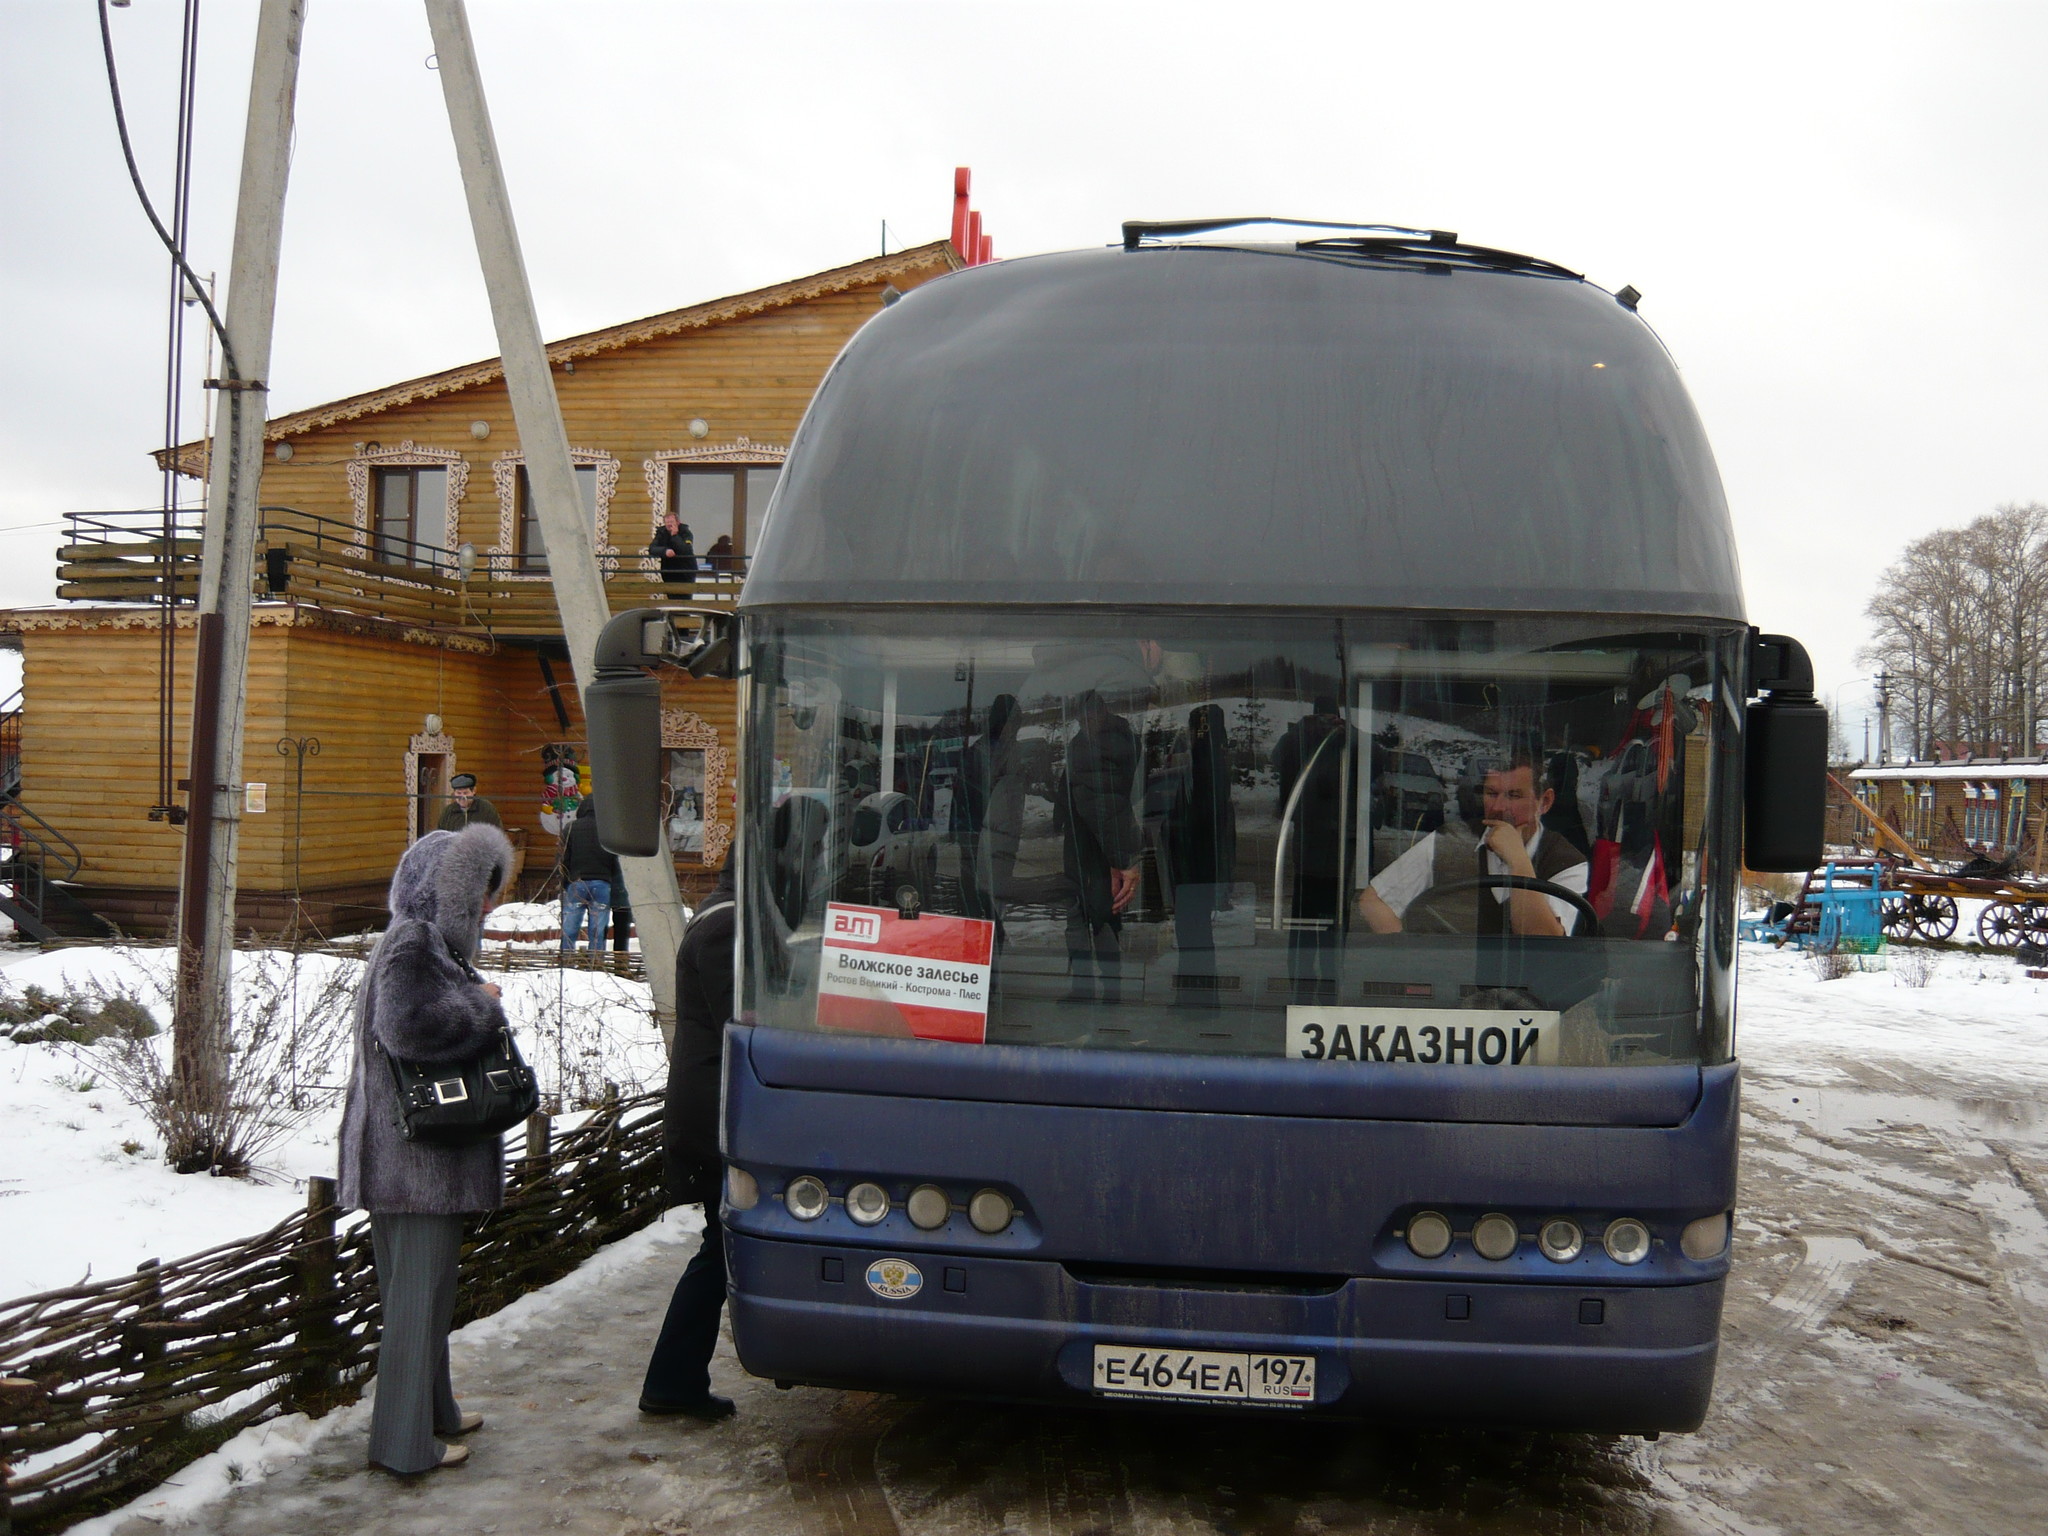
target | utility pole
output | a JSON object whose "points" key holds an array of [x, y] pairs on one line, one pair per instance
{"points": [[206, 885], [1884, 718], [551, 475]]}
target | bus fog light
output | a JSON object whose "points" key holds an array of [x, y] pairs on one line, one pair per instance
{"points": [[929, 1207], [1495, 1236], [990, 1210], [1560, 1240], [1627, 1241], [743, 1190], [1705, 1238], [1429, 1235], [867, 1203], [806, 1199]]}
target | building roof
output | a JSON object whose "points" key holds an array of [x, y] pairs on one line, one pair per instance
{"points": [[190, 457], [1988, 768]]}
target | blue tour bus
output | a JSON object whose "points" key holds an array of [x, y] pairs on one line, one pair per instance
{"points": [[1246, 753]]}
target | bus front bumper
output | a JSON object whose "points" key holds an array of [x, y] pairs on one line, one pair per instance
{"points": [[1613, 1359]]}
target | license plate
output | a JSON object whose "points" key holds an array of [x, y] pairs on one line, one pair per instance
{"points": [[1202, 1375]]}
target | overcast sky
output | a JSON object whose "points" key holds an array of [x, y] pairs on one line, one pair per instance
{"points": [[1835, 213]]}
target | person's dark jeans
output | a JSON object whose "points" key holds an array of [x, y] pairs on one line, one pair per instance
{"points": [[680, 1370]]}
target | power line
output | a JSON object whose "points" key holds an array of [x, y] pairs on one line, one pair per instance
{"points": [[227, 354]]}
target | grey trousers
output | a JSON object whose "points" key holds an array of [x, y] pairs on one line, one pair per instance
{"points": [[416, 1286]]}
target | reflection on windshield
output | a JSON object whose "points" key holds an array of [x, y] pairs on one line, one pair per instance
{"points": [[1375, 845]]}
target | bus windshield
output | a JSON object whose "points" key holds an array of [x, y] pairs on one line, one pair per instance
{"points": [[1494, 842]]}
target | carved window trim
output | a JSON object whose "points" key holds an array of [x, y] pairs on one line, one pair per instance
{"points": [[418, 745], [367, 458], [741, 450], [686, 730], [505, 481]]}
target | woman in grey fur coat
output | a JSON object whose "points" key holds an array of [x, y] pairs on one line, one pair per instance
{"points": [[421, 1000]]}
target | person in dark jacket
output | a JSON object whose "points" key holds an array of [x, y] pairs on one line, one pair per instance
{"points": [[675, 549], [1100, 843], [421, 1000], [678, 1377], [1201, 849], [467, 806], [590, 873]]}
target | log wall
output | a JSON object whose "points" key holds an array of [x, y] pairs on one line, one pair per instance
{"points": [[362, 690]]}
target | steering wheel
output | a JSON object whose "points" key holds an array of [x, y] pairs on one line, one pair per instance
{"points": [[1428, 905]]}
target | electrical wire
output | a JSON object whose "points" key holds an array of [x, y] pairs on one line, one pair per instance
{"points": [[174, 368], [227, 354]]}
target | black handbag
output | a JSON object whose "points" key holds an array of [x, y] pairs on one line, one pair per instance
{"points": [[461, 1103]]}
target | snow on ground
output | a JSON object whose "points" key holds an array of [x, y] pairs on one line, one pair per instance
{"points": [[1979, 1019], [521, 919], [84, 1191]]}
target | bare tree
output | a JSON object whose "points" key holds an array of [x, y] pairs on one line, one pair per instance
{"points": [[1960, 623]]}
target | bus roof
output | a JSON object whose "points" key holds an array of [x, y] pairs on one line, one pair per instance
{"points": [[1282, 426]]}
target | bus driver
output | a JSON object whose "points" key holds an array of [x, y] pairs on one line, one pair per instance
{"points": [[1515, 797]]}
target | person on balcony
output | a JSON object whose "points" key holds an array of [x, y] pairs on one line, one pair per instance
{"points": [[723, 560], [676, 551], [468, 807]]}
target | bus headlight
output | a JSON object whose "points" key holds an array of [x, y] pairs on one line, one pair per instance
{"points": [[1429, 1235], [1627, 1241], [867, 1203], [806, 1199], [743, 1190], [990, 1210], [1560, 1239], [1495, 1236], [1705, 1238], [929, 1207]]}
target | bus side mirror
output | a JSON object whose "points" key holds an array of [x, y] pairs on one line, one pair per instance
{"points": [[623, 717], [622, 714], [1786, 760]]}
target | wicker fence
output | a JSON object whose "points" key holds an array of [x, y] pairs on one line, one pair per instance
{"points": [[108, 1388]]}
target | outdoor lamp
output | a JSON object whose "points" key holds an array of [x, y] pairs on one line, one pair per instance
{"points": [[433, 725], [465, 561]]}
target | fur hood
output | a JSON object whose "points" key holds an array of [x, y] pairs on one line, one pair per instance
{"points": [[419, 1003], [445, 878]]}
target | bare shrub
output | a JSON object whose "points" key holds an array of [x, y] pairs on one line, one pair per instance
{"points": [[583, 1042], [287, 1063], [33, 1016], [1830, 963], [1914, 966]]}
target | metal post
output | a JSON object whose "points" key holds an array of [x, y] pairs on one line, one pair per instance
{"points": [[206, 894], [551, 476]]}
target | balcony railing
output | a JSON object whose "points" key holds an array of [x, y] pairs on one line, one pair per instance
{"points": [[127, 557]]}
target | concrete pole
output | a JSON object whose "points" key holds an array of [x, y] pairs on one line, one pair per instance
{"points": [[206, 896], [572, 554]]}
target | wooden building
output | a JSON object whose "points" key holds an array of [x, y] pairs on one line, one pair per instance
{"points": [[404, 618], [1956, 809]]}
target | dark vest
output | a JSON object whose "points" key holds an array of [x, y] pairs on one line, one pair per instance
{"points": [[1456, 856]]}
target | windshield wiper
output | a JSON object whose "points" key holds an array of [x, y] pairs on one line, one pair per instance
{"points": [[1389, 244], [1136, 230]]}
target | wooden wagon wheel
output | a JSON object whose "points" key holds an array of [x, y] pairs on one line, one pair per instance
{"points": [[2002, 926], [1899, 915], [1934, 917], [2035, 915]]}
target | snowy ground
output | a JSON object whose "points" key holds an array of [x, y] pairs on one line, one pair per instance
{"points": [[83, 1186], [1884, 1364]]}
